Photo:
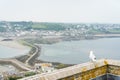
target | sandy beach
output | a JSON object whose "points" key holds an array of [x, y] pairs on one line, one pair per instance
{"points": [[12, 44]]}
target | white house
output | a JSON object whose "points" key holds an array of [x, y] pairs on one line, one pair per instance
{"points": [[44, 67]]}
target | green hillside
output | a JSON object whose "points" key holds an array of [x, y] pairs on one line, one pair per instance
{"points": [[48, 26]]}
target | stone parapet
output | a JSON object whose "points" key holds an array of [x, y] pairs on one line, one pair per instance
{"points": [[83, 71]]}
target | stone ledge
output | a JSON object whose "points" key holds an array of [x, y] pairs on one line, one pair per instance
{"points": [[69, 71], [77, 69]]}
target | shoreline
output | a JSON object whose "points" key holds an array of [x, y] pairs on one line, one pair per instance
{"points": [[34, 58], [77, 40], [40, 60], [13, 44]]}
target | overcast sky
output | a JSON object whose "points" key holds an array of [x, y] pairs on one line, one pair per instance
{"points": [[87, 11]]}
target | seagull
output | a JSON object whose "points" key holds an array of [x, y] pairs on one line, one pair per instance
{"points": [[92, 56]]}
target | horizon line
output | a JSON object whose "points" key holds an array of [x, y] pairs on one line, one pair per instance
{"points": [[57, 22]]}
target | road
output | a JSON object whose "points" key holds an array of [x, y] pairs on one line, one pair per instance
{"points": [[17, 64], [33, 55]]}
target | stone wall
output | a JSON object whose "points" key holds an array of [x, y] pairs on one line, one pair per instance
{"points": [[85, 71], [114, 69], [88, 74]]}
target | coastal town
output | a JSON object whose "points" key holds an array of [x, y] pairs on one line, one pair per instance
{"points": [[59, 39], [32, 34], [12, 29]]}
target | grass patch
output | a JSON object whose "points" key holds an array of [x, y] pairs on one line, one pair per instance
{"points": [[29, 74], [38, 26], [114, 31], [23, 42]]}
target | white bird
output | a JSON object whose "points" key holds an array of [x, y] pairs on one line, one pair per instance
{"points": [[92, 56]]}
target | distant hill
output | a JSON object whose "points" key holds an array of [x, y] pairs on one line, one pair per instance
{"points": [[92, 28], [48, 26]]}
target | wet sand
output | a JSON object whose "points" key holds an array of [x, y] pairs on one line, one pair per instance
{"points": [[12, 44]]}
